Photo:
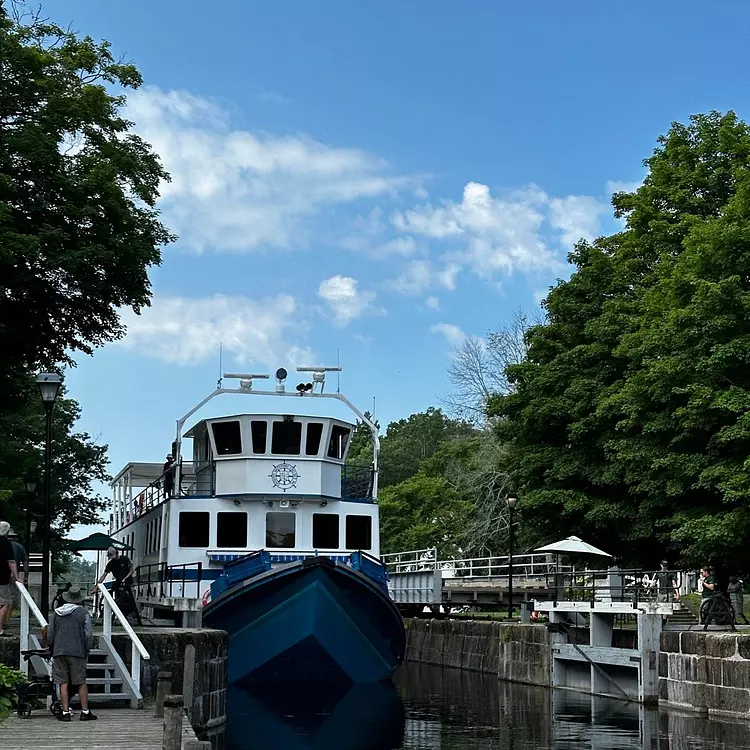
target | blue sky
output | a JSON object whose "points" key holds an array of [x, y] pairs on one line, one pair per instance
{"points": [[381, 178]]}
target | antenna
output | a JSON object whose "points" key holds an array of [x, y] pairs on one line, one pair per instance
{"points": [[338, 374], [221, 363]]}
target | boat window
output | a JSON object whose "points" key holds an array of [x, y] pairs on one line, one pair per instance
{"points": [[314, 434], [325, 531], [280, 528], [260, 434], [231, 529], [338, 441], [359, 532], [227, 438], [287, 438], [194, 529]]}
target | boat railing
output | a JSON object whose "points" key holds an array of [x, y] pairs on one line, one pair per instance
{"points": [[156, 493], [161, 581], [29, 640], [357, 482]]}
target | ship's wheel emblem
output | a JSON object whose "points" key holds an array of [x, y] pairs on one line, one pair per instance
{"points": [[284, 476]]}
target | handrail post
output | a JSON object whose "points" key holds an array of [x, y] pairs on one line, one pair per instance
{"points": [[24, 634], [135, 661], [173, 717], [107, 618]]}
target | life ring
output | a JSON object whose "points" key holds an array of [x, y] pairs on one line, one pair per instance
{"points": [[206, 597]]}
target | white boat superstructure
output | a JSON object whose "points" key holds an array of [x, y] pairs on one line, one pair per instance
{"points": [[275, 481]]}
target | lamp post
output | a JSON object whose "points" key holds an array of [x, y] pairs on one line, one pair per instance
{"points": [[30, 488], [49, 386], [511, 504]]}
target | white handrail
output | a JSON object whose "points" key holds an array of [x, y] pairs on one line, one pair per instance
{"points": [[137, 649], [28, 605], [109, 603]]}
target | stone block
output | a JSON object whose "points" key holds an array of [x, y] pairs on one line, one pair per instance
{"points": [[693, 643], [691, 694], [736, 673], [731, 700], [670, 641], [663, 665], [743, 646], [714, 671], [721, 645]]}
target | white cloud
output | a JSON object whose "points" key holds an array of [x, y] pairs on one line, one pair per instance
{"points": [[516, 231], [421, 275], [576, 216], [343, 297], [186, 331], [617, 186], [433, 303], [492, 234], [236, 190], [452, 333]]}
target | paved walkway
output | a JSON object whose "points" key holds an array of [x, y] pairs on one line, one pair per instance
{"points": [[115, 728]]}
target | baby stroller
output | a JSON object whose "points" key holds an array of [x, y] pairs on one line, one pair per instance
{"points": [[34, 693]]}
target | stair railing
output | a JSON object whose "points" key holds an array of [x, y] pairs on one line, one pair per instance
{"points": [[137, 650], [28, 639]]}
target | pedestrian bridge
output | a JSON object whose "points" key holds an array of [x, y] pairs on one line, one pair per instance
{"points": [[419, 579]]}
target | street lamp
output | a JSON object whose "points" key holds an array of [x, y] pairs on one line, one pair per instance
{"points": [[511, 504], [49, 386], [30, 489]]}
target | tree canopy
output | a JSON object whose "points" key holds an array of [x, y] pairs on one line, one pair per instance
{"points": [[77, 462], [78, 226], [630, 419]]}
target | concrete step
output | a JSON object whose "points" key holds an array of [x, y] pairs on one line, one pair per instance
{"points": [[99, 666]]}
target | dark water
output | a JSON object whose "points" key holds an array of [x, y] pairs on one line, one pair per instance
{"points": [[442, 709]]}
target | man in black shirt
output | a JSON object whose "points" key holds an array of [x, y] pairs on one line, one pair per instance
{"points": [[120, 567], [667, 583], [8, 575]]}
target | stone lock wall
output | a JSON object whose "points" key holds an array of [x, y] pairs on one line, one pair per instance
{"points": [[707, 671], [197, 660], [517, 653]]}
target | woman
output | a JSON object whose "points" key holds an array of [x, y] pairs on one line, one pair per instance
{"points": [[736, 596]]}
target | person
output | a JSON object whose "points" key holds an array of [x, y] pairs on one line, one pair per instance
{"points": [[168, 473], [121, 569], [22, 560], [734, 589], [667, 583], [8, 576], [708, 584], [69, 636]]}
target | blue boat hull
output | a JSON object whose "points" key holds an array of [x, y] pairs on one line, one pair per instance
{"points": [[314, 621]]}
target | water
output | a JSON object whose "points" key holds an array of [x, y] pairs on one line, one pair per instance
{"points": [[442, 709]]}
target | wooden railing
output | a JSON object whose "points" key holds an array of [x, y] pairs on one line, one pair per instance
{"points": [[28, 640]]}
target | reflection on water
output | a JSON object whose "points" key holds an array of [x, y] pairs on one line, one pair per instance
{"points": [[442, 709]]}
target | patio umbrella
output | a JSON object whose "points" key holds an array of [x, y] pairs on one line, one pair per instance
{"points": [[572, 546], [97, 541]]}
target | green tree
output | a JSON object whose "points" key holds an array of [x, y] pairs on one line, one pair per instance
{"points": [[78, 227], [629, 420], [410, 441], [77, 463], [422, 512]]}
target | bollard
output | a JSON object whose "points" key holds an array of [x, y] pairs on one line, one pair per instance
{"points": [[174, 713], [198, 745], [163, 688]]}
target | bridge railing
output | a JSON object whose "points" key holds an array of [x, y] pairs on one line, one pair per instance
{"points": [[632, 585], [531, 566]]}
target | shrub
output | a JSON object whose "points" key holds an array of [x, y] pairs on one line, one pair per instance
{"points": [[9, 680]]}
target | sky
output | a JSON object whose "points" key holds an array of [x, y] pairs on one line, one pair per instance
{"points": [[374, 182]]}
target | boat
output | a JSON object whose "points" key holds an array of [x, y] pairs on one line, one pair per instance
{"points": [[263, 529]]}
